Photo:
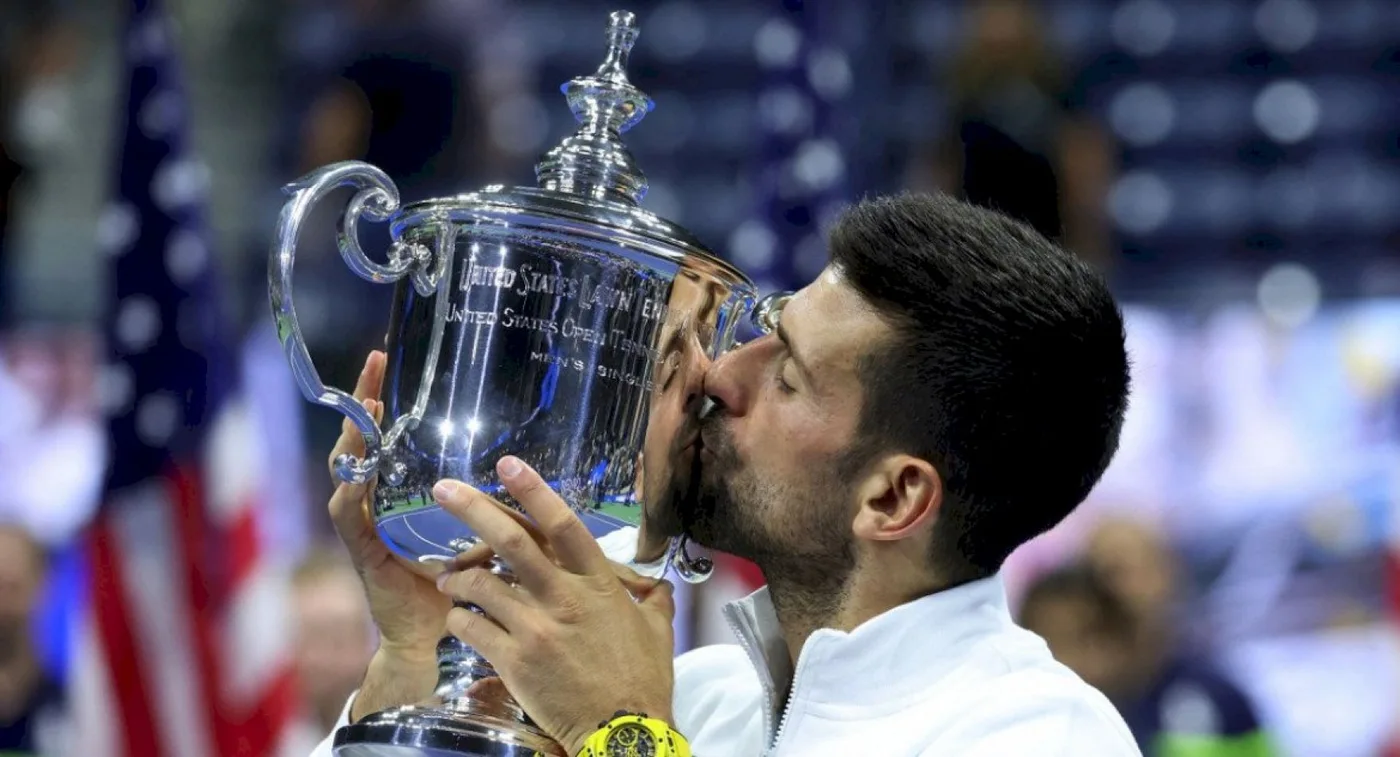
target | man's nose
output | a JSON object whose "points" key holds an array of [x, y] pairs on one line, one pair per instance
{"points": [[727, 381]]}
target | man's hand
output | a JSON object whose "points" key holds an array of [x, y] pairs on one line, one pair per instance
{"points": [[570, 642], [407, 608]]}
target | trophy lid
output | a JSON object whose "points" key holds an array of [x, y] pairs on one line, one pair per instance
{"points": [[588, 184], [594, 162]]}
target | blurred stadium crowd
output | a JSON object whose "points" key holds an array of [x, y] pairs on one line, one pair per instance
{"points": [[1232, 165]]}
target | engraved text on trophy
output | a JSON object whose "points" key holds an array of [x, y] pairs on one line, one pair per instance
{"points": [[585, 311]]}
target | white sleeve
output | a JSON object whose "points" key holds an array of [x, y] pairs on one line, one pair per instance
{"points": [[323, 749], [620, 546]]}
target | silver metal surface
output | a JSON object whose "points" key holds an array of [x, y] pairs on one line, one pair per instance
{"points": [[765, 314], [561, 323], [375, 198], [427, 731], [470, 713], [593, 163]]}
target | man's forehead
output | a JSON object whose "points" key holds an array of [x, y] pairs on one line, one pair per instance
{"points": [[829, 316], [829, 296]]}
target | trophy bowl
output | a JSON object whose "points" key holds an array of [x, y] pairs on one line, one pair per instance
{"points": [[544, 322]]}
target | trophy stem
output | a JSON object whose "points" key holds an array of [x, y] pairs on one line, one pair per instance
{"points": [[468, 684], [471, 715]]}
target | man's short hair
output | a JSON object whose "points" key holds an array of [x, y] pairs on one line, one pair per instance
{"points": [[1007, 369]]}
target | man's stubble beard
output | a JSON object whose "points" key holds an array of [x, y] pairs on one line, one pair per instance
{"points": [[794, 531]]}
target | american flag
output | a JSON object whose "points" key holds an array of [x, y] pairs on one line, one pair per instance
{"points": [[801, 183], [178, 653]]}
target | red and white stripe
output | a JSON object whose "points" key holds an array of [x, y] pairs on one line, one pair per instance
{"points": [[180, 651]]}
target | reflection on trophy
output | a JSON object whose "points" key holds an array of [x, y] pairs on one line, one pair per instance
{"points": [[562, 324], [667, 470]]}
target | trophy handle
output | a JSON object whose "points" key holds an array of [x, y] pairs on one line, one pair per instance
{"points": [[764, 315], [376, 198]]}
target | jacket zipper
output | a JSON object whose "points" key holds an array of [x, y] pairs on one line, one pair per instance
{"points": [[787, 708], [764, 678], [777, 737], [769, 690]]}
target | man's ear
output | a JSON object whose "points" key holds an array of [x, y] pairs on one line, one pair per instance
{"points": [[900, 496]]}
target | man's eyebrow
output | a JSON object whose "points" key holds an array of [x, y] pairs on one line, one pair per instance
{"points": [[792, 351]]}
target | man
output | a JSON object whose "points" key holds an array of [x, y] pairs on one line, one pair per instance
{"points": [[950, 387], [1085, 624], [333, 641], [1175, 699]]}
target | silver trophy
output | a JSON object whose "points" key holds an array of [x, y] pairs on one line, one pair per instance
{"points": [[547, 322]]}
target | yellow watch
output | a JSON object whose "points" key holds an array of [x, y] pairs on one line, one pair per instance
{"points": [[633, 734]]}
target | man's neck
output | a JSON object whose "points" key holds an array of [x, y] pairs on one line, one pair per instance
{"points": [[802, 610], [800, 614]]}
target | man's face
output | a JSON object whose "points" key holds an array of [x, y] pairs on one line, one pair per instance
{"points": [[775, 483], [1070, 627], [1137, 564], [334, 641]]}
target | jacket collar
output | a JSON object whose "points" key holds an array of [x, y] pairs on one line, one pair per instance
{"points": [[894, 654]]}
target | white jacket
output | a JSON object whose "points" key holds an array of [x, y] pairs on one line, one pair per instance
{"points": [[948, 675]]}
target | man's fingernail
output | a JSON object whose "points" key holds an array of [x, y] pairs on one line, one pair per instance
{"points": [[442, 579], [509, 467], [444, 489]]}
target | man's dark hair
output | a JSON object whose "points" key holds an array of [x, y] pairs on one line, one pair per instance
{"points": [[1007, 370], [1078, 583]]}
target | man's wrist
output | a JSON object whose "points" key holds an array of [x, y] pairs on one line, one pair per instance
{"points": [[395, 677], [406, 656]]}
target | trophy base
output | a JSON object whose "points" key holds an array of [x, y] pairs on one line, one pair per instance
{"points": [[471, 714], [433, 732]]}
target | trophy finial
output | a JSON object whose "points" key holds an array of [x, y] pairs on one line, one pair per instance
{"points": [[622, 35], [594, 162]]}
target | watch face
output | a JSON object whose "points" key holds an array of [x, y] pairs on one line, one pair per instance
{"points": [[631, 740]]}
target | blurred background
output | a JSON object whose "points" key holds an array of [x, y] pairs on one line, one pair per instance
{"points": [[1233, 166]]}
